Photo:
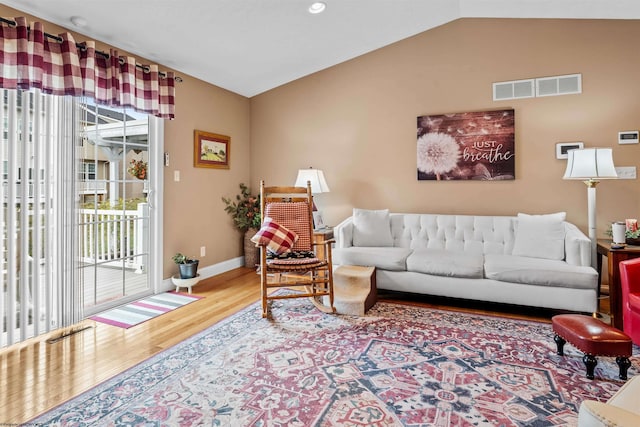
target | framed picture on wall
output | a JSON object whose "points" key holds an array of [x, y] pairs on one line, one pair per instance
{"points": [[476, 145], [211, 150], [563, 147]]}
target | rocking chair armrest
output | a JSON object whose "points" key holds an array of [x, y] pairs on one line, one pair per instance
{"points": [[324, 242]]}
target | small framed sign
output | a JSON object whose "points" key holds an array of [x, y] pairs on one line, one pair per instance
{"points": [[318, 221], [563, 147], [211, 150]]}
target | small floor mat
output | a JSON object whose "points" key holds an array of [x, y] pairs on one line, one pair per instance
{"points": [[142, 310]]}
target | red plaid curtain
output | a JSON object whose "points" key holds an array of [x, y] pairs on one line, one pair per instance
{"points": [[29, 59]]}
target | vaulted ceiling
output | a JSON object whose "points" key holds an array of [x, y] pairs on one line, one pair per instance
{"points": [[251, 46]]}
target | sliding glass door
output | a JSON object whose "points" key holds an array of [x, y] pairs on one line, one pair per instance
{"points": [[79, 221], [115, 185], [38, 250]]}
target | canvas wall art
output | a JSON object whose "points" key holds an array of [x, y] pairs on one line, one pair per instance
{"points": [[467, 146]]}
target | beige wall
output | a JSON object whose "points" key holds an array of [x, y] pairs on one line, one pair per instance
{"points": [[193, 210], [357, 120]]}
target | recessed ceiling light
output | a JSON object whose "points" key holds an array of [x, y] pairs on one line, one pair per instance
{"points": [[78, 21], [317, 7]]}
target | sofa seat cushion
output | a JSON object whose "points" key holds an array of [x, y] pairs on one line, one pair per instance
{"points": [[440, 262], [538, 271], [394, 259]]}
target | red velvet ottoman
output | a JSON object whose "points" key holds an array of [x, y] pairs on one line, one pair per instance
{"points": [[593, 338]]}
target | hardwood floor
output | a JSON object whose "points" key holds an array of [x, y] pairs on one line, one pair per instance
{"points": [[36, 376]]}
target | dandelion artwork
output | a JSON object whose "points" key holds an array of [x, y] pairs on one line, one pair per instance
{"points": [[467, 146], [438, 153]]}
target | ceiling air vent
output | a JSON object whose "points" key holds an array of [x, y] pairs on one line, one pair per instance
{"points": [[515, 89]]}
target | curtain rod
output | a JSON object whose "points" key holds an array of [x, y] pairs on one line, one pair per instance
{"points": [[83, 48]]}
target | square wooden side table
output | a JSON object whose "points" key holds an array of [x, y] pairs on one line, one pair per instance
{"points": [[320, 236], [614, 256]]}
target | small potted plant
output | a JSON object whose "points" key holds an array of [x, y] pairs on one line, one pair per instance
{"points": [[632, 232], [188, 266]]}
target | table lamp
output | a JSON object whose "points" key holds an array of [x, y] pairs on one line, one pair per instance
{"points": [[316, 177], [591, 165], [318, 185]]}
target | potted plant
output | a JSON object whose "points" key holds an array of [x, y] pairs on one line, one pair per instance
{"points": [[138, 168], [188, 266], [632, 233], [245, 212]]}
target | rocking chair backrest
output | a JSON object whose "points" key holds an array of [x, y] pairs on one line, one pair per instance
{"points": [[290, 207]]}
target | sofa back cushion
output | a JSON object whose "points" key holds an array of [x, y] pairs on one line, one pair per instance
{"points": [[372, 228], [540, 236], [468, 233]]}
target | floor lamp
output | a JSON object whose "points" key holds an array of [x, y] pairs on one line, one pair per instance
{"points": [[591, 165]]}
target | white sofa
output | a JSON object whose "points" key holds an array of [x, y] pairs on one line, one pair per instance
{"points": [[531, 260]]}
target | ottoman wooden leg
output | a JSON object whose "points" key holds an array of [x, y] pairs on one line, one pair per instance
{"points": [[560, 342], [623, 363], [590, 362]]}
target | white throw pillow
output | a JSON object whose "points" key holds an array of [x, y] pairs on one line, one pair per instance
{"points": [[540, 236], [372, 228]]}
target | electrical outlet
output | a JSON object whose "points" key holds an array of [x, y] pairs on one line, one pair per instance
{"points": [[626, 172], [176, 176], [203, 250]]}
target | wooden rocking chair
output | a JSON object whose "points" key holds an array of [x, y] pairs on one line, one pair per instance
{"points": [[287, 256]]}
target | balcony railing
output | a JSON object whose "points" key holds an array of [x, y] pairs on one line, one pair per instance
{"points": [[92, 187], [84, 187], [30, 190], [113, 236]]}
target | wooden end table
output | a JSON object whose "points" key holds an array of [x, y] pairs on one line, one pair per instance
{"points": [[614, 256], [319, 236]]}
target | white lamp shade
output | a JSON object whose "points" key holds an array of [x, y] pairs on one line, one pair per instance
{"points": [[316, 177], [590, 163]]}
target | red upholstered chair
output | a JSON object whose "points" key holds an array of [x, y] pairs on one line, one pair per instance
{"points": [[630, 284], [287, 255]]}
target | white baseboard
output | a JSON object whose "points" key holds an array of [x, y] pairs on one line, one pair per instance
{"points": [[209, 271]]}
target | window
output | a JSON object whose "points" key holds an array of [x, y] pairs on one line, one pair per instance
{"points": [[88, 171]]}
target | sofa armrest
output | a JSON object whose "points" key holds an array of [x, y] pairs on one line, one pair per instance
{"points": [[343, 233], [577, 246], [597, 414]]}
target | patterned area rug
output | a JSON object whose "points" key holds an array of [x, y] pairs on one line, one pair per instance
{"points": [[398, 366], [142, 310]]}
